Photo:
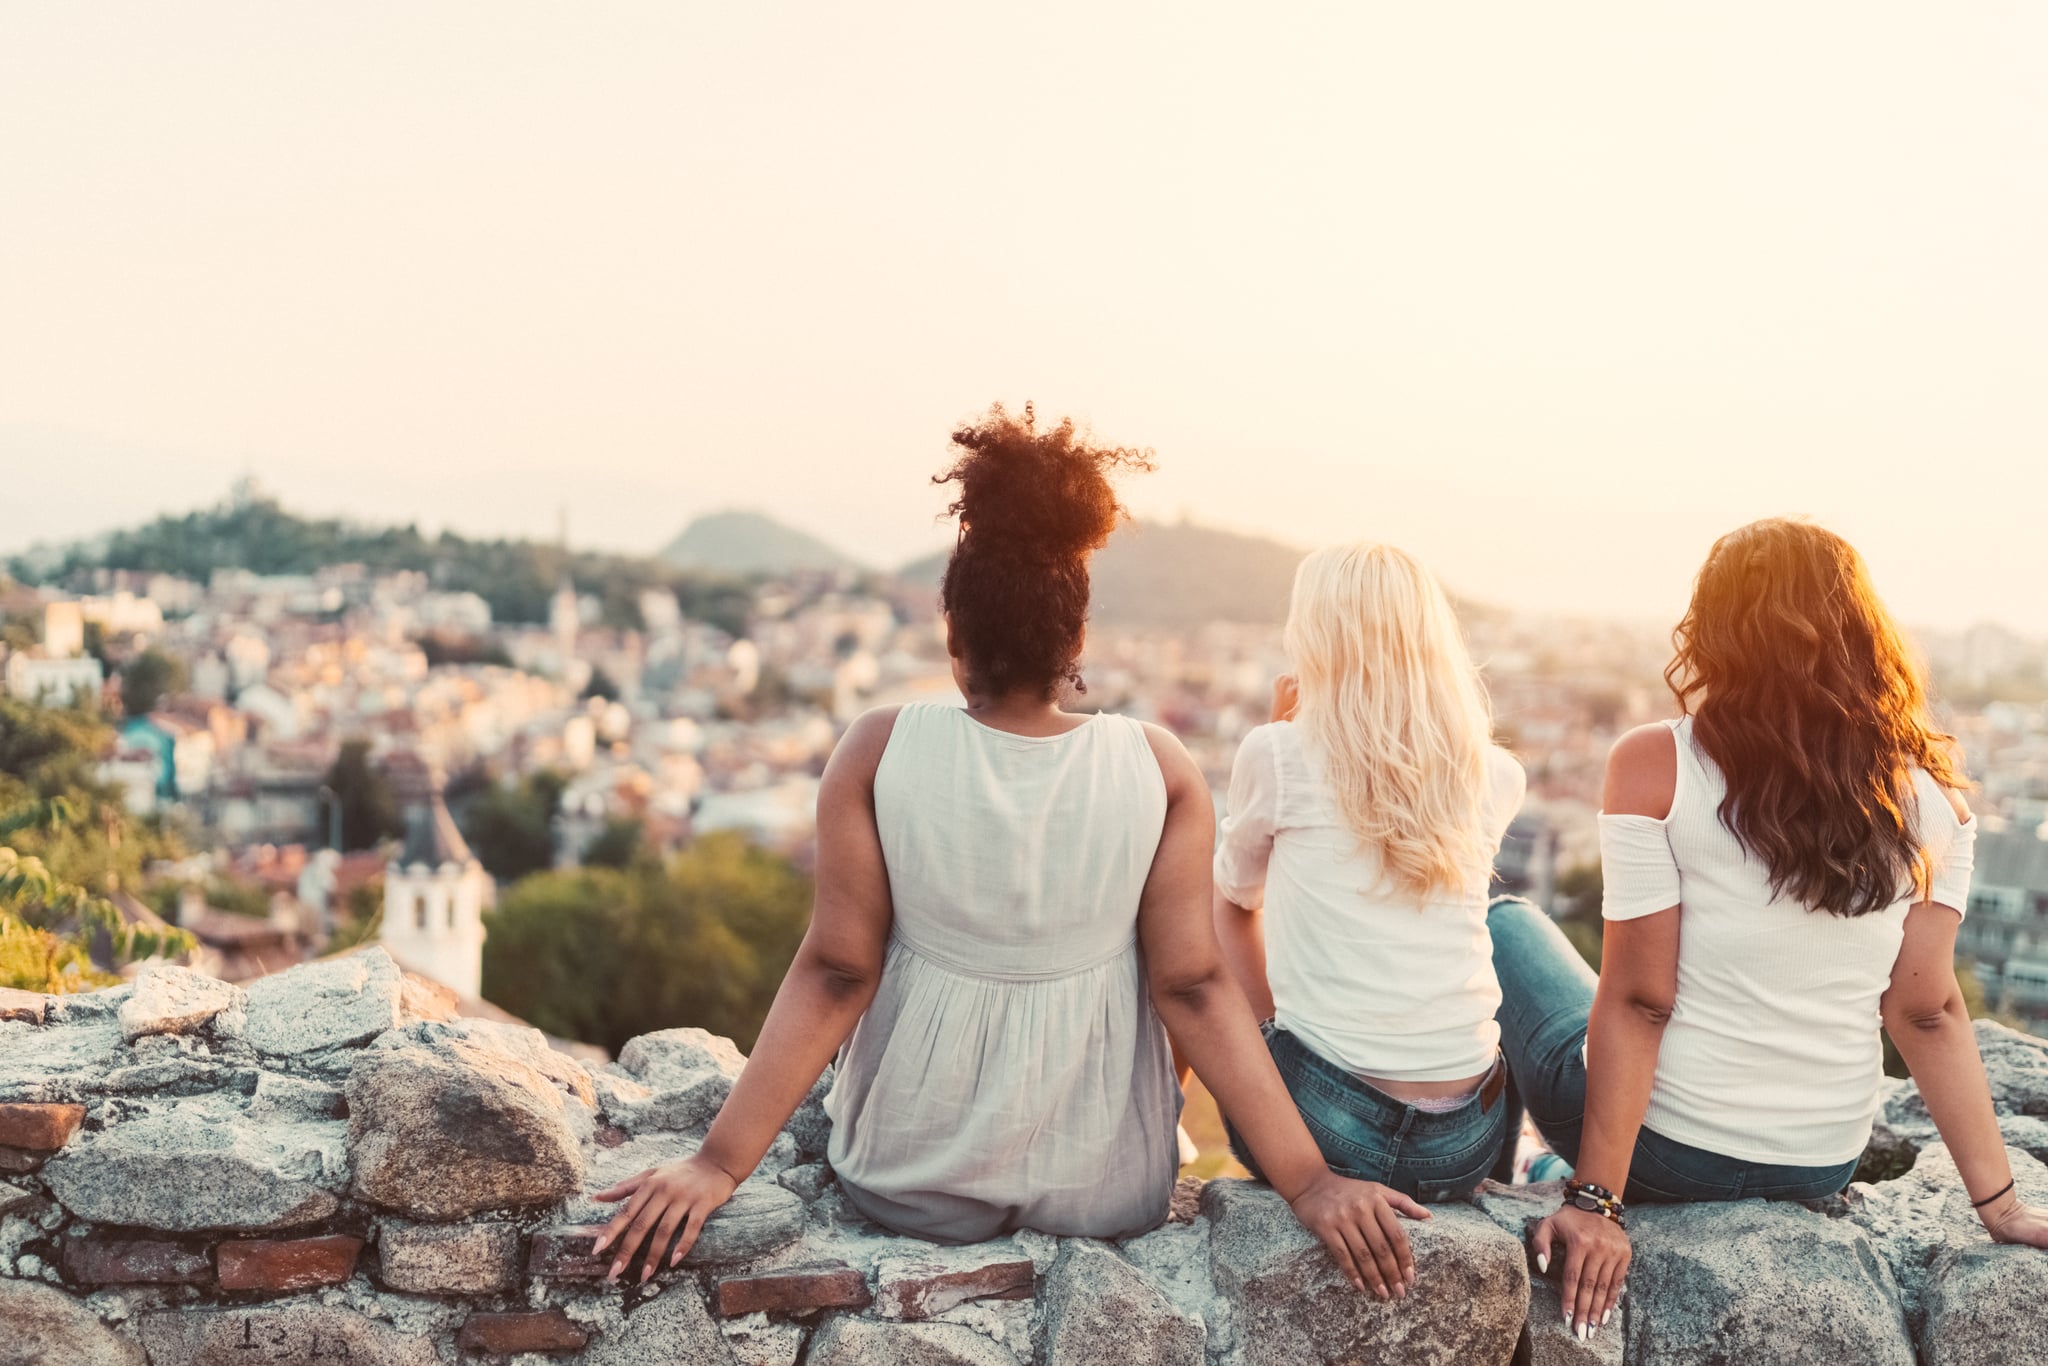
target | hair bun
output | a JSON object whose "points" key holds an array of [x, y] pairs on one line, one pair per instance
{"points": [[1043, 495]]}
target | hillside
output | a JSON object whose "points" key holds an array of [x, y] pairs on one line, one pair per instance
{"points": [[751, 543], [1177, 574]]}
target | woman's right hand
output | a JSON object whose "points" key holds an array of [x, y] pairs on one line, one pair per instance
{"points": [[2017, 1222], [1596, 1258], [1356, 1221]]}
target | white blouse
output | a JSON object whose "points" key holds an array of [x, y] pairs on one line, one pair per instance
{"points": [[1771, 1053], [1373, 980]]}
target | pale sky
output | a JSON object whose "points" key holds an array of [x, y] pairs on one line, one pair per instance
{"points": [[1549, 294]]}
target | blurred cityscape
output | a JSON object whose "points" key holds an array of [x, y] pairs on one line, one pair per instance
{"points": [[348, 751]]}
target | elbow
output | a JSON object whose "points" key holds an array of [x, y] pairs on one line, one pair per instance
{"points": [[1654, 1011], [1916, 1019], [843, 980], [1189, 993]]}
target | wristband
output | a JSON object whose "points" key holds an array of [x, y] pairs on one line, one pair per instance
{"points": [[1980, 1204], [1584, 1195]]}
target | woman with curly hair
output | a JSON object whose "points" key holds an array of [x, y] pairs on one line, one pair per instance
{"points": [[1012, 910], [1785, 867]]}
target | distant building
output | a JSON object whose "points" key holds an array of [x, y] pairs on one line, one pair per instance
{"points": [[34, 677], [2005, 927], [435, 890]]}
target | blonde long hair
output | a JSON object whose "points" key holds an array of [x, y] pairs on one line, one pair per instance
{"points": [[1391, 701]]}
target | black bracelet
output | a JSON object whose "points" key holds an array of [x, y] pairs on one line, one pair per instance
{"points": [[1980, 1204]]}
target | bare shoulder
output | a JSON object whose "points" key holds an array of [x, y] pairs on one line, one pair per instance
{"points": [[1176, 765], [1642, 773], [859, 751]]}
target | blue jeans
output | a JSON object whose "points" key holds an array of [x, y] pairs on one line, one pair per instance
{"points": [[1546, 996], [1367, 1134]]}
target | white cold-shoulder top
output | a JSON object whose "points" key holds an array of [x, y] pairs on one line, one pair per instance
{"points": [[1011, 1072], [1772, 1052]]}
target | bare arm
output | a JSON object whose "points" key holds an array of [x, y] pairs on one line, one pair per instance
{"points": [[1925, 1015], [1241, 937], [828, 987], [1638, 987], [1204, 1010]]}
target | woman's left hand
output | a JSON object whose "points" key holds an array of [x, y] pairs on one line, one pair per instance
{"points": [[2017, 1222], [682, 1193]]}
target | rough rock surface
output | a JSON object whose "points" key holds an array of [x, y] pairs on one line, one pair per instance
{"points": [[1719, 1283], [168, 1150], [1470, 1298], [175, 1000], [334, 1003], [203, 1165], [441, 1127], [864, 1342], [1099, 1310], [45, 1327]]}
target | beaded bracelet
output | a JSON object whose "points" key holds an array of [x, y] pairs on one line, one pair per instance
{"points": [[1594, 1200]]}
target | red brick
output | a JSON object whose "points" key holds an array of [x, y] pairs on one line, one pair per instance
{"points": [[39, 1128], [563, 1254], [536, 1330], [287, 1263], [825, 1285], [31, 1007], [15, 1162], [98, 1259], [917, 1288]]}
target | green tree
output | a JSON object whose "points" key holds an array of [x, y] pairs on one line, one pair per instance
{"points": [[615, 846], [149, 678], [511, 827], [603, 954], [369, 811], [48, 925]]}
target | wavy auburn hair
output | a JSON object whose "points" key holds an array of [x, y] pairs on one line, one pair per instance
{"points": [[1803, 693], [1391, 703]]}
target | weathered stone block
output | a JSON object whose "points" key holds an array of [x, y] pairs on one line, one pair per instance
{"points": [[113, 1259], [1754, 1280], [861, 1342], [673, 1327], [202, 1165], [447, 1259], [1099, 1310], [174, 1000], [687, 1072], [39, 1128], [793, 1290], [757, 1340], [446, 1127], [25, 1007], [1552, 1342], [1293, 1305], [288, 1331], [532, 1330], [46, 1327], [334, 1003], [924, 1285], [15, 1162], [807, 1182], [281, 1264], [14, 1197]]}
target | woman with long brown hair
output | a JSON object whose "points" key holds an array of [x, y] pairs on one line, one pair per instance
{"points": [[1785, 866]]}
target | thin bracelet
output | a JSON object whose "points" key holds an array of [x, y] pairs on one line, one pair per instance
{"points": [[1980, 1204]]}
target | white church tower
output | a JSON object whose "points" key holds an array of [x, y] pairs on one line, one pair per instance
{"points": [[435, 891]]}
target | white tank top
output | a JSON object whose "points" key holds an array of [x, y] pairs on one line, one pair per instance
{"points": [[1772, 1051]]}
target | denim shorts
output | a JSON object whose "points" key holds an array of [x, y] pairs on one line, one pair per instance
{"points": [[1366, 1134]]}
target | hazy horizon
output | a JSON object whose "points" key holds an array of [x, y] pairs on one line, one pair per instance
{"points": [[1549, 299]]}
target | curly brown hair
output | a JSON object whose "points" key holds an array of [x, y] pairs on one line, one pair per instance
{"points": [[1033, 505], [1803, 693]]}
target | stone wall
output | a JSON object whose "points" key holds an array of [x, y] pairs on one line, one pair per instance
{"points": [[326, 1168]]}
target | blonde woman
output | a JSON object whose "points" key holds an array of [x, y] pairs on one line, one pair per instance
{"points": [[1352, 873]]}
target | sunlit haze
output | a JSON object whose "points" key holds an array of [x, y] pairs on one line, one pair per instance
{"points": [[1548, 295]]}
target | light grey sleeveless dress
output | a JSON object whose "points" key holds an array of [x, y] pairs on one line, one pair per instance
{"points": [[1011, 1072]]}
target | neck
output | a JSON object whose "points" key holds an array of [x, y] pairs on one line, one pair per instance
{"points": [[1013, 707]]}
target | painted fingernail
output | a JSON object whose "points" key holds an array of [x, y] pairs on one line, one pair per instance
{"points": [[1542, 1263], [676, 1258], [1585, 1331], [1606, 1316], [1567, 1317], [617, 1267]]}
